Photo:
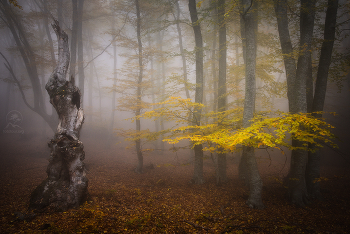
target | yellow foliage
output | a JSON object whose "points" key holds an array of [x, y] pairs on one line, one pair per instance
{"points": [[224, 131]]}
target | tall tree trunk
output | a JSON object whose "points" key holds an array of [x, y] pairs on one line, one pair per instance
{"points": [[60, 12], [297, 193], [281, 9], [80, 48], [198, 152], [66, 184], [73, 42], [221, 175], [139, 168], [248, 165], [313, 164], [114, 77], [184, 64]]}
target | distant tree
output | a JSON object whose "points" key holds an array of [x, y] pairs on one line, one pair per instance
{"points": [[139, 168], [23, 44], [222, 99]]}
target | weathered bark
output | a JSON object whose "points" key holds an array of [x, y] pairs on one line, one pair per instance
{"points": [[198, 153], [139, 168], [248, 167], [66, 184], [221, 176], [313, 164]]}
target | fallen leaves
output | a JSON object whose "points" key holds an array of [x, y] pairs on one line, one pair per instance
{"points": [[163, 201]]}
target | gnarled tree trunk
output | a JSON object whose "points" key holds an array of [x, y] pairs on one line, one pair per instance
{"points": [[66, 184]]}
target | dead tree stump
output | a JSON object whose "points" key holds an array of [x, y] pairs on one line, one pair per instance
{"points": [[66, 184]]}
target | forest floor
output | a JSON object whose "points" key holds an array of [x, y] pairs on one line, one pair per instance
{"points": [[162, 199]]}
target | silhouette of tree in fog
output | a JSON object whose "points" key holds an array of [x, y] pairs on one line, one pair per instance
{"points": [[14, 23]]}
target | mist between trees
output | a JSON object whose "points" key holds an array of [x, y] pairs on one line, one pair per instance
{"points": [[209, 77]]}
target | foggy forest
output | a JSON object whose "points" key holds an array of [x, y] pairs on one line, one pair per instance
{"points": [[174, 116]]}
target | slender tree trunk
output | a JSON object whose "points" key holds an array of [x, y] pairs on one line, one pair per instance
{"points": [[221, 176], [139, 168], [73, 42], [248, 161], [60, 12], [80, 48], [281, 9], [198, 153], [114, 77], [66, 184], [153, 96], [28, 56], [184, 64], [313, 164]]}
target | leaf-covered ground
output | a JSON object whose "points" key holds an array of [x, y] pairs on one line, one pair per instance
{"points": [[162, 200]]}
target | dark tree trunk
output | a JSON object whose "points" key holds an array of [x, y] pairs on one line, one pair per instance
{"points": [[296, 81], [281, 9], [221, 176], [248, 168], [313, 164], [198, 153], [60, 12], [66, 184], [297, 192], [139, 168]]}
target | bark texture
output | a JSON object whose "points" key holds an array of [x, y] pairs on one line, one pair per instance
{"points": [[313, 164], [66, 184], [198, 153], [248, 168], [297, 77]]}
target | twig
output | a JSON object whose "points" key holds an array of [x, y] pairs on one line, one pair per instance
{"points": [[196, 225]]}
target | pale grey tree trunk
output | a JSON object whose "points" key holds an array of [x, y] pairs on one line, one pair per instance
{"points": [[66, 184], [139, 168], [183, 57], [221, 176], [248, 167]]}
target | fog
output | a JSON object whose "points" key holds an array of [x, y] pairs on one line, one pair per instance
{"points": [[108, 62]]}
